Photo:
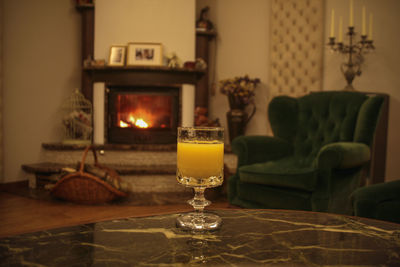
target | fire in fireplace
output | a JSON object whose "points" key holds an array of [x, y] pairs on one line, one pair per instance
{"points": [[142, 114], [144, 111]]}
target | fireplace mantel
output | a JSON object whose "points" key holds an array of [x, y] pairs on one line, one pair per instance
{"points": [[140, 75]]}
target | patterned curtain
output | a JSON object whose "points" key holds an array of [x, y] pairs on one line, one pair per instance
{"points": [[296, 47]]}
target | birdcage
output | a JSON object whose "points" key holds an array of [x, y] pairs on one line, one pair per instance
{"points": [[77, 119]]}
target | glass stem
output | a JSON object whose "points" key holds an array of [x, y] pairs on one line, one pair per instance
{"points": [[199, 202]]}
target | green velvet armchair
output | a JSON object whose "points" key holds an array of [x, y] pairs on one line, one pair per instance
{"points": [[316, 158]]}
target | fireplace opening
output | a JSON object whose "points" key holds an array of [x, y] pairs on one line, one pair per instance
{"points": [[148, 115], [144, 111]]}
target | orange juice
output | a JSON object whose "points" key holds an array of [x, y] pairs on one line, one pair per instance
{"points": [[200, 163]]}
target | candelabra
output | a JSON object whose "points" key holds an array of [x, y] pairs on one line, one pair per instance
{"points": [[355, 52]]}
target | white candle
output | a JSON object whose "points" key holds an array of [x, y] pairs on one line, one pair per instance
{"points": [[370, 26], [364, 28], [340, 40], [332, 23], [351, 18]]}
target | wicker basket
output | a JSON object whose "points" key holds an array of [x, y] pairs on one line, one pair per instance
{"points": [[85, 188]]}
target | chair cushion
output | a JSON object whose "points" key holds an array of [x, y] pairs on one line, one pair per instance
{"points": [[287, 172]]}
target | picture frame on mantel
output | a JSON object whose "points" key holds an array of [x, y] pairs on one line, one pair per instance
{"points": [[144, 54], [117, 55]]}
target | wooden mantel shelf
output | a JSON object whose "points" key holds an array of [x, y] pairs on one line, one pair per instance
{"points": [[144, 74], [140, 75], [143, 68]]}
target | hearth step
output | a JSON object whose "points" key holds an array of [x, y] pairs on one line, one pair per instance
{"points": [[139, 178], [45, 172], [150, 185], [122, 169]]}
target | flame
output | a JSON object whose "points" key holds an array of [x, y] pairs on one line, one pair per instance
{"points": [[131, 119], [139, 119], [141, 123], [123, 124]]}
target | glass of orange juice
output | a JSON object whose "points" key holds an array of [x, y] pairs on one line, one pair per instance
{"points": [[200, 165]]}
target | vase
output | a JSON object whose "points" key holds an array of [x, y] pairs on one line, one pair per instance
{"points": [[237, 117]]}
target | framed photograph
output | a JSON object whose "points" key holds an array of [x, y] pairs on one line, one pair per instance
{"points": [[144, 54], [117, 55]]}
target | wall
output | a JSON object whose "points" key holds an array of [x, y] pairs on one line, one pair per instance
{"points": [[381, 72], [241, 47], [41, 51], [170, 22]]}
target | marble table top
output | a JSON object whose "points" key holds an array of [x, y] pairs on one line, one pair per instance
{"points": [[246, 238]]}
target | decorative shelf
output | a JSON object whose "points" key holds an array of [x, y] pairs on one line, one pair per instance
{"points": [[140, 75], [165, 69], [143, 74]]}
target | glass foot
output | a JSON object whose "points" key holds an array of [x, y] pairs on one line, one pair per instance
{"points": [[198, 221]]}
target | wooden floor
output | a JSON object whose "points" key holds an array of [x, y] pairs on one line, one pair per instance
{"points": [[20, 214]]}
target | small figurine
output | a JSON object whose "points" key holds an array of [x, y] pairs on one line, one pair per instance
{"points": [[200, 64], [203, 23], [173, 61]]}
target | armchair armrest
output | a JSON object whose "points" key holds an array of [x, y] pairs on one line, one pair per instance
{"points": [[254, 149], [343, 155]]}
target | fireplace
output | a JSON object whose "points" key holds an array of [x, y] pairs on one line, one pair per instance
{"points": [[142, 114]]}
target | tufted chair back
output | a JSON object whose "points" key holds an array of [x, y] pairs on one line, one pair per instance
{"points": [[321, 118]]}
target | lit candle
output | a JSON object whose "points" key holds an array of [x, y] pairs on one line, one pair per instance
{"points": [[370, 26], [364, 28], [340, 40], [351, 18], [200, 160], [332, 23]]}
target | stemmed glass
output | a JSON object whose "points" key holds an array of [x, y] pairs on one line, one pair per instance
{"points": [[200, 165]]}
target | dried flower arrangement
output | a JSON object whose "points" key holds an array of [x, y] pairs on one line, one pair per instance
{"points": [[240, 90]]}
